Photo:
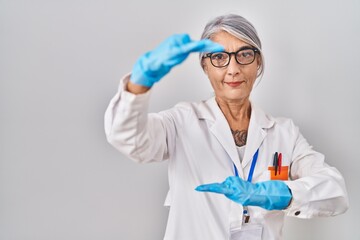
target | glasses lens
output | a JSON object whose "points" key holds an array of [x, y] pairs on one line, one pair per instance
{"points": [[245, 56], [219, 59]]}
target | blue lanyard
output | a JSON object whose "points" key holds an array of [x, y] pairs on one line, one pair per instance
{"points": [[252, 168]]}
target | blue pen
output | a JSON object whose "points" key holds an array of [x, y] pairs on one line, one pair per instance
{"points": [[275, 163]]}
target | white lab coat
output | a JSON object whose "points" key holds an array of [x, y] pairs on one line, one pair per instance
{"points": [[196, 140]]}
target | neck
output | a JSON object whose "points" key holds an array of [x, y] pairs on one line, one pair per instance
{"points": [[237, 113]]}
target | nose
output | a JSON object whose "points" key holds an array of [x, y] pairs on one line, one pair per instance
{"points": [[234, 67]]}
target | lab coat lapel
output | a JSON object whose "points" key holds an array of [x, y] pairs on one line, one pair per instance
{"points": [[259, 123], [221, 130], [219, 127]]}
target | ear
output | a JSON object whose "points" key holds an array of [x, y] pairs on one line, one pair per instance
{"points": [[258, 61]]}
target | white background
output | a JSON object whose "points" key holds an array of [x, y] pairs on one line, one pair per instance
{"points": [[60, 62]]}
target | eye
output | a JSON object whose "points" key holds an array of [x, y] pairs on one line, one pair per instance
{"points": [[248, 53], [219, 56]]}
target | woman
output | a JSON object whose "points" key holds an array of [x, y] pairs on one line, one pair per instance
{"points": [[269, 169]]}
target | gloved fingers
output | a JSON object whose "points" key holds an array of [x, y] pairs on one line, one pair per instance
{"points": [[205, 45], [175, 49], [221, 188], [180, 53], [184, 44]]}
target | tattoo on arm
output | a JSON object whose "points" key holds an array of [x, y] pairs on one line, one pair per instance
{"points": [[239, 137]]}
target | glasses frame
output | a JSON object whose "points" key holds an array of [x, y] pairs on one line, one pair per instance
{"points": [[209, 55]]}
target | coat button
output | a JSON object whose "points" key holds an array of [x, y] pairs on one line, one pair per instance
{"points": [[297, 213]]}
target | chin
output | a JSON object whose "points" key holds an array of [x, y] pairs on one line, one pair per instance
{"points": [[234, 97], [239, 94]]}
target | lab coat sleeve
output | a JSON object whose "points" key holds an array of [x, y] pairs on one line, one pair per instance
{"points": [[130, 129], [318, 189]]}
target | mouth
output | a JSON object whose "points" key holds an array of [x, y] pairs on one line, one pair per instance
{"points": [[234, 84]]}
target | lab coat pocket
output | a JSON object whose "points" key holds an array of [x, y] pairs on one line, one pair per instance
{"points": [[282, 173], [248, 232]]}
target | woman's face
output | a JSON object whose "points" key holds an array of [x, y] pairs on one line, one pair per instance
{"points": [[233, 82]]}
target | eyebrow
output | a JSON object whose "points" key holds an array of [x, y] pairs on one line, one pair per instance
{"points": [[241, 48], [244, 47]]}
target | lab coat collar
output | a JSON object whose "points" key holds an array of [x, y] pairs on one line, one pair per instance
{"points": [[259, 123]]}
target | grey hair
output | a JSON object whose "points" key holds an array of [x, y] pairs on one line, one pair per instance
{"points": [[237, 26]]}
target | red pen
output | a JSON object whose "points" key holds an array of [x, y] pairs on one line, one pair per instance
{"points": [[279, 163]]}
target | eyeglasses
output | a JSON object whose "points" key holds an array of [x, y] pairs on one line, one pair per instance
{"points": [[243, 56]]}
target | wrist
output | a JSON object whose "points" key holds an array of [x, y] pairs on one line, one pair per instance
{"points": [[136, 88]]}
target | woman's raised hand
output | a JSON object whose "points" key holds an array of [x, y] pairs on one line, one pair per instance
{"points": [[155, 64]]}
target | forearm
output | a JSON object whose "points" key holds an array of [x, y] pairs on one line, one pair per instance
{"points": [[317, 188], [320, 195], [129, 128]]}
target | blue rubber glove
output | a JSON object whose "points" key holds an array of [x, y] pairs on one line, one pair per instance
{"points": [[271, 195], [154, 65]]}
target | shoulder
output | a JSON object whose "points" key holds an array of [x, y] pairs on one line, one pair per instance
{"points": [[273, 122], [199, 110], [284, 122]]}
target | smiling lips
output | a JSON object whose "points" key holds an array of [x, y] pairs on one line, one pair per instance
{"points": [[234, 84]]}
